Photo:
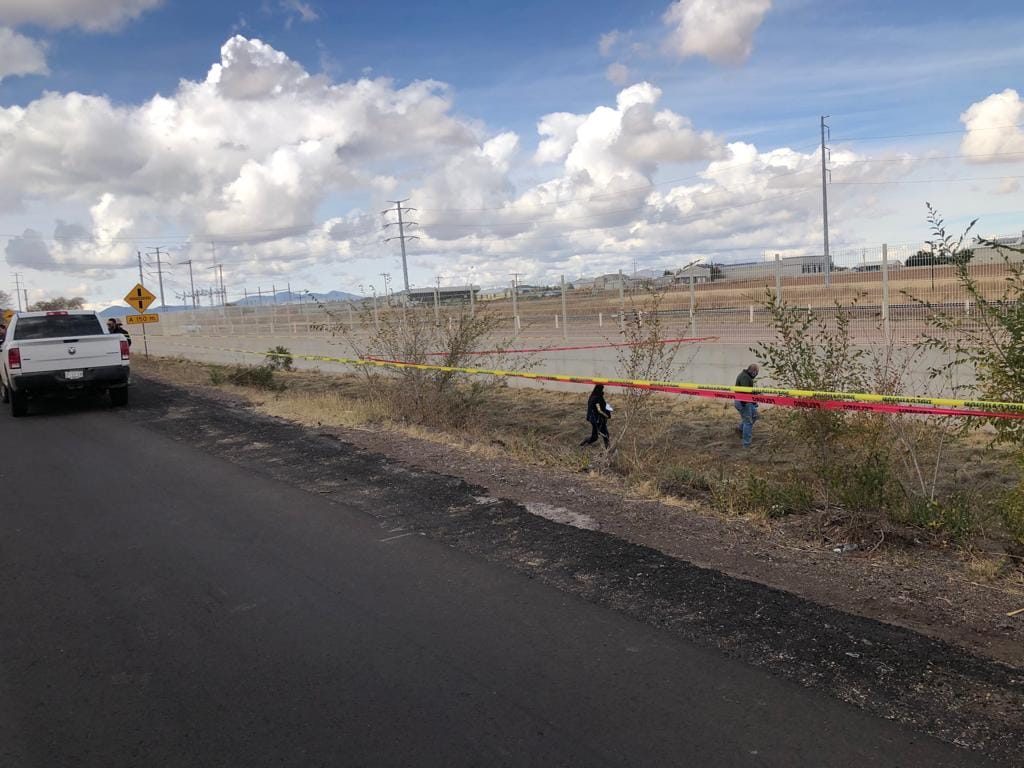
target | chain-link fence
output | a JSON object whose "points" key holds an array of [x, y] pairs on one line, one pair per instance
{"points": [[890, 291]]}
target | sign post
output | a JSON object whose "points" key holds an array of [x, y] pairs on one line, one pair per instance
{"points": [[139, 299]]}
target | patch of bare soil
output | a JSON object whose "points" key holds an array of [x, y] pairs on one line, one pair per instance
{"points": [[942, 592]]}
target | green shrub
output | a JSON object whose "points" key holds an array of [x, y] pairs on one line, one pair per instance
{"points": [[864, 487], [955, 518], [217, 375], [279, 359], [1011, 510], [778, 498], [755, 494], [256, 376], [684, 482]]}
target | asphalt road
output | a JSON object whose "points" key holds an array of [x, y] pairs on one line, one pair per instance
{"points": [[160, 606]]}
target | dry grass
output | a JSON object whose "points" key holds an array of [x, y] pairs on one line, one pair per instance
{"points": [[985, 568], [692, 451]]}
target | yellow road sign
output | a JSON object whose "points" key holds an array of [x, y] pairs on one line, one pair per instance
{"points": [[139, 298], [138, 319]]}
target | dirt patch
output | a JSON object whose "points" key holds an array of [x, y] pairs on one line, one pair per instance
{"points": [[959, 596]]}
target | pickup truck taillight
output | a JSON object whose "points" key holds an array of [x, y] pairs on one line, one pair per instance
{"points": [[13, 358], [125, 349]]}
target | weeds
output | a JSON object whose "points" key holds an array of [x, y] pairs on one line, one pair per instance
{"points": [[255, 376], [279, 359]]}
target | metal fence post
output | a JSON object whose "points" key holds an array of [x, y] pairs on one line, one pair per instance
{"points": [[693, 306], [515, 310], [778, 280], [885, 293], [622, 302], [565, 313]]}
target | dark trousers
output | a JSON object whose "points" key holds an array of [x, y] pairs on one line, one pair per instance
{"points": [[598, 428]]}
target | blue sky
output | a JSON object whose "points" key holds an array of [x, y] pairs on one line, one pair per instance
{"points": [[879, 69], [873, 65]]}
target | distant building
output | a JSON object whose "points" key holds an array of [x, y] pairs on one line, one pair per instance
{"points": [[612, 282], [446, 294], [987, 254], [876, 266], [791, 266]]}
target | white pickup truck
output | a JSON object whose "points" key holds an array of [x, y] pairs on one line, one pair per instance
{"points": [[68, 351]]}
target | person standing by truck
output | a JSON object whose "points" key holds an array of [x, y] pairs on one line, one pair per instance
{"points": [[114, 326]]}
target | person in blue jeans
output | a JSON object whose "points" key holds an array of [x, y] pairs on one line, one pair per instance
{"points": [[748, 411]]}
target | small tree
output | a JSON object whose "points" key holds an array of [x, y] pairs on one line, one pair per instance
{"points": [[646, 357], [50, 305]]}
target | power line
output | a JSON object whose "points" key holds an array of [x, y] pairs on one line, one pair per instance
{"points": [[928, 181], [929, 133]]}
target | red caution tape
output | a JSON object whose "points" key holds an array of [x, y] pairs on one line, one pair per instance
{"points": [[565, 349]]}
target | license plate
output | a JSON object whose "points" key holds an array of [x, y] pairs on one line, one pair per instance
{"points": [[72, 374]]}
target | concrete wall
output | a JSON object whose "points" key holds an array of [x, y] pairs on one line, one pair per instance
{"points": [[704, 363]]}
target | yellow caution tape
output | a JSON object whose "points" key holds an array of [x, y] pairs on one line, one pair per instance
{"points": [[798, 393]]}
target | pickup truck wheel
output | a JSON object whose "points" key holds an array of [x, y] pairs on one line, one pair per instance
{"points": [[19, 404], [119, 396], [5, 393]]}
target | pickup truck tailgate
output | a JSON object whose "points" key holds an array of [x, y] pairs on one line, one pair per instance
{"points": [[70, 353]]}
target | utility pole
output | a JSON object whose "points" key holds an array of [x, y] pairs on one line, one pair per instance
{"points": [[223, 290], [17, 289], [824, 197], [401, 236], [191, 282], [160, 276], [387, 285], [142, 282]]}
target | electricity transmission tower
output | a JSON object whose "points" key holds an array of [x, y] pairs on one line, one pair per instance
{"points": [[191, 283], [401, 236], [159, 273]]}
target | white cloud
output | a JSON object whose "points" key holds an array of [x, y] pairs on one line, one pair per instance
{"points": [[617, 73], [720, 30], [247, 154], [20, 55], [304, 10], [993, 128], [608, 42], [90, 15], [257, 152]]}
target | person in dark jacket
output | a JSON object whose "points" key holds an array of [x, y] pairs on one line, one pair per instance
{"points": [[748, 411], [114, 326], [598, 413]]}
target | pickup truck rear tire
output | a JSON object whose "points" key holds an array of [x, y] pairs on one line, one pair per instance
{"points": [[118, 396], [19, 404]]}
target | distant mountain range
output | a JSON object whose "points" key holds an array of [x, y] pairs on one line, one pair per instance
{"points": [[282, 297]]}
